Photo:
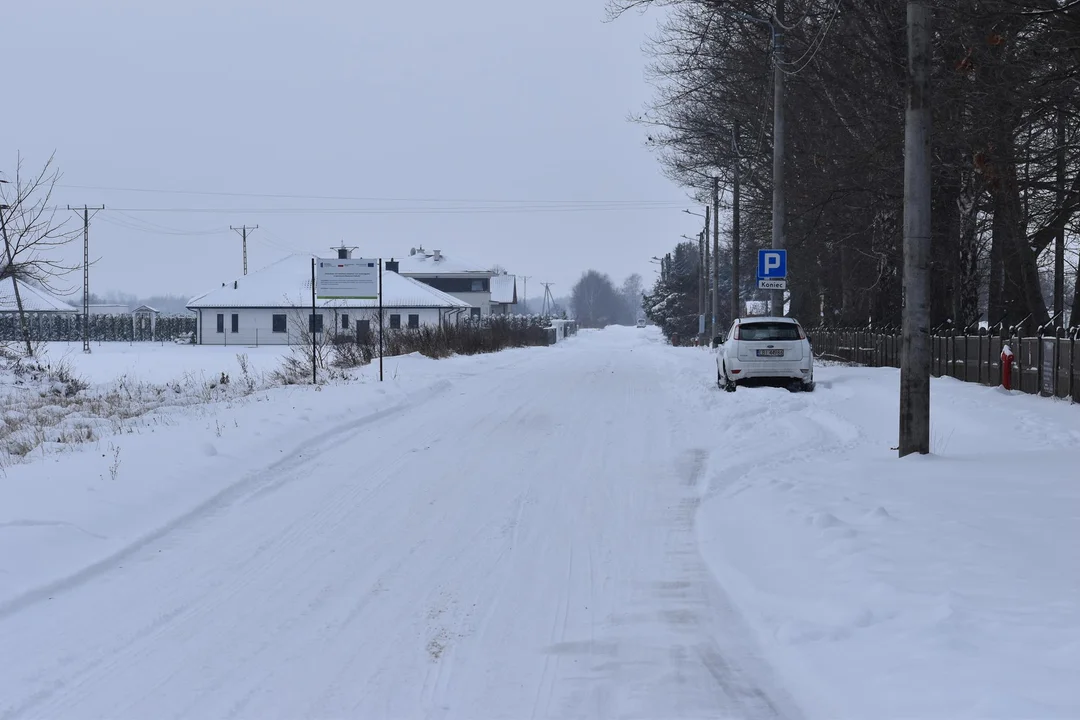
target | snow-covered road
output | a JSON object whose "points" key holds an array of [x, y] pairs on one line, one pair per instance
{"points": [[515, 544], [584, 531]]}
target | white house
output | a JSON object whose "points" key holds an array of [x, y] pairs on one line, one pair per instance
{"points": [[271, 306], [503, 293], [34, 299], [463, 279]]}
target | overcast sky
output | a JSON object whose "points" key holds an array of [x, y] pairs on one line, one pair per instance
{"points": [[410, 104]]}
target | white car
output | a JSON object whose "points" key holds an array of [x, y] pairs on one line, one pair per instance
{"points": [[765, 348], [641, 322]]}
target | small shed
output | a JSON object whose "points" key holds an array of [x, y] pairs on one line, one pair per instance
{"points": [[145, 317]]}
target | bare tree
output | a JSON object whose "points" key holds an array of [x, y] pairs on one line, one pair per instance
{"points": [[33, 234]]}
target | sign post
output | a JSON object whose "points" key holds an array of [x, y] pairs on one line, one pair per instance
{"points": [[772, 272], [346, 279], [311, 328]]}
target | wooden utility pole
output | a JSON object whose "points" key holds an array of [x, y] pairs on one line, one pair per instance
{"points": [[779, 202], [735, 228], [915, 354], [716, 254], [86, 273], [243, 230]]}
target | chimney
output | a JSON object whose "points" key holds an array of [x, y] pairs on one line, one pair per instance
{"points": [[234, 284], [438, 255], [391, 265], [343, 253]]}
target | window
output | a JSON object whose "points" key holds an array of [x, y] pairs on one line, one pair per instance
{"points": [[395, 322], [280, 325], [363, 331], [221, 322], [457, 285], [414, 322], [768, 331], [315, 323], [344, 322], [235, 323], [474, 313]]}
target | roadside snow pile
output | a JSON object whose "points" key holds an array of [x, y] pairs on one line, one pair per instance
{"points": [[940, 586]]}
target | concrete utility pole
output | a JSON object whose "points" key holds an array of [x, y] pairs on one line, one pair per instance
{"points": [[716, 254], [735, 228], [915, 354], [525, 298], [1059, 241], [709, 291], [779, 203], [86, 273], [243, 230], [701, 277], [549, 299]]}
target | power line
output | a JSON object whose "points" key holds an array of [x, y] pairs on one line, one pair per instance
{"points": [[278, 196], [525, 209]]}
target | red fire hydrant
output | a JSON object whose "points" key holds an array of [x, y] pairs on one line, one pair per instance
{"points": [[1006, 367]]}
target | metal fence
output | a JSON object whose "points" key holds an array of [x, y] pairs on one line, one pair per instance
{"points": [[1047, 365], [68, 327]]}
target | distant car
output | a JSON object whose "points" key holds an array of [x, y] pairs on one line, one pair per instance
{"points": [[641, 322], [765, 348]]}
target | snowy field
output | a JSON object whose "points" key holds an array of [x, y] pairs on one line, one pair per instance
{"points": [[587, 530], [160, 362]]}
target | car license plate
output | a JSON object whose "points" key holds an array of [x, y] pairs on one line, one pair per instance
{"points": [[770, 353]]}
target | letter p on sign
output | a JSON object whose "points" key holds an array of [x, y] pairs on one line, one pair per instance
{"points": [[772, 264]]}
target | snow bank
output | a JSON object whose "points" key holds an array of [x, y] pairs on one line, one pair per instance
{"points": [[944, 586]]}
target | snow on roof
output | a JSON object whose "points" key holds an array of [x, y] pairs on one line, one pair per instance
{"points": [[433, 262], [287, 284], [504, 289], [33, 299], [146, 309]]}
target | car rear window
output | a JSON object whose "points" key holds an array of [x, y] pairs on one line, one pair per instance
{"points": [[769, 331]]}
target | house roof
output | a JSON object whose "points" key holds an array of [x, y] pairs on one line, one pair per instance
{"points": [[146, 309], [504, 289], [424, 262], [287, 284], [34, 299]]}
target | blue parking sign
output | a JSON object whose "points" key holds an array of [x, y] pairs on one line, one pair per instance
{"points": [[771, 264]]}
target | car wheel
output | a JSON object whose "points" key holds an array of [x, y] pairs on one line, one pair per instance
{"points": [[729, 385], [719, 380]]}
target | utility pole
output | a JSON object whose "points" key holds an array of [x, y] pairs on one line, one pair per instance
{"points": [[716, 252], [708, 275], [86, 272], [243, 230], [1059, 241], [915, 354], [549, 299], [525, 303], [779, 207], [735, 228], [701, 278]]}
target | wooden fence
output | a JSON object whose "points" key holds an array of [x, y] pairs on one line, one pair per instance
{"points": [[1047, 365]]}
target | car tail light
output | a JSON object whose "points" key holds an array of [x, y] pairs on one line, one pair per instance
{"points": [[802, 333], [735, 372], [737, 329]]}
